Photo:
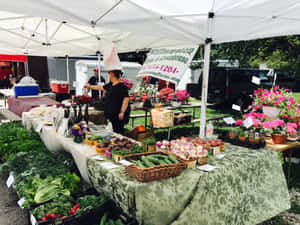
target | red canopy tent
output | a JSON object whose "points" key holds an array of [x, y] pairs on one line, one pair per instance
{"points": [[13, 58]]}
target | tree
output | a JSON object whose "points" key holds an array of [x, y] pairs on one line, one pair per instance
{"points": [[278, 53]]}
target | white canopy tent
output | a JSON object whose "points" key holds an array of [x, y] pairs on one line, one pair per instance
{"points": [[138, 24]]}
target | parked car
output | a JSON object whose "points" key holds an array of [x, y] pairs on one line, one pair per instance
{"points": [[285, 80], [231, 85]]}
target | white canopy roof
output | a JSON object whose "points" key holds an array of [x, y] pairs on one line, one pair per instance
{"points": [[138, 24]]}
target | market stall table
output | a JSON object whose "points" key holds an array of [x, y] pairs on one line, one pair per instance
{"points": [[6, 93], [290, 146], [247, 187], [20, 105]]}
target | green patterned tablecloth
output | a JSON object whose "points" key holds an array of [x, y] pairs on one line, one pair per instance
{"points": [[246, 188]]}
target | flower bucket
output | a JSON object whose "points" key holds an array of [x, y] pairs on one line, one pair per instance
{"points": [[271, 112], [176, 104], [137, 105], [279, 138]]}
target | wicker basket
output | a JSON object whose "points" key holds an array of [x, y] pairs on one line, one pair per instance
{"points": [[190, 164], [153, 173], [100, 150], [141, 136], [162, 118], [117, 158], [89, 142], [202, 160]]}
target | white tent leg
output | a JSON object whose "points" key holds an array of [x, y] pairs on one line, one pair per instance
{"points": [[68, 70], [204, 89], [99, 70], [26, 69]]}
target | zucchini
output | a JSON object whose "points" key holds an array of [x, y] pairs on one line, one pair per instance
{"points": [[119, 222], [140, 164], [147, 162], [172, 159], [159, 156], [103, 220], [153, 160], [167, 161], [161, 162], [133, 161]]}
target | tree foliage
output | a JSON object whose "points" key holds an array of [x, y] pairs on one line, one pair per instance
{"points": [[278, 53]]}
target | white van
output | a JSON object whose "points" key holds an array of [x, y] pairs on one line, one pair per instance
{"points": [[85, 69]]}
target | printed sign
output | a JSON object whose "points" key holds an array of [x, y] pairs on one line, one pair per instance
{"points": [[229, 120], [206, 168], [21, 202], [125, 163], [168, 64], [10, 180], [248, 122], [256, 80], [236, 107], [109, 165]]}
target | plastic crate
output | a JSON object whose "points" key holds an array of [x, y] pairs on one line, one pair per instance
{"points": [[26, 90], [94, 216], [60, 87]]}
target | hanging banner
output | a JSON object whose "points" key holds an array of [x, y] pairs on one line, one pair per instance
{"points": [[168, 64]]}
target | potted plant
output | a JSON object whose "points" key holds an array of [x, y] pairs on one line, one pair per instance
{"points": [[150, 144], [243, 135], [232, 133], [272, 102], [280, 130]]}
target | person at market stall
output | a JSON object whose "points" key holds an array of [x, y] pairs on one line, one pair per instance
{"points": [[94, 80], [116, 101]]}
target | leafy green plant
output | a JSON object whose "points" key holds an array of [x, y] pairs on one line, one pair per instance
{"points": [[89, 202], [242, 133], [149, 141]]}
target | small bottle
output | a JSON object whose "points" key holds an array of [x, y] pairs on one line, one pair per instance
{"points": [[209, 130]]}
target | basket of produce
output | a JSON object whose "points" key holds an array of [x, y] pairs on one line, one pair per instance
{"points": [[153, 166], [119, 154], [202, 160], [100, 147], [162, 118]]}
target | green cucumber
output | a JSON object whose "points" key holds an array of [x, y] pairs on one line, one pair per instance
{"points": [[153, 160], [161, 162], [147, 162], [168, 161], [172, 159], [140, 164], [103, 219], [133, 161]]}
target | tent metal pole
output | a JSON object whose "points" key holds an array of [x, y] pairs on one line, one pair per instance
{"points": [[207, 49], [99, 70], [68, 70], [26, 68]]}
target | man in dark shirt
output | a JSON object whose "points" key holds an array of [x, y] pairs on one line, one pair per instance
{"points": [[116, 103], [94, 80]]}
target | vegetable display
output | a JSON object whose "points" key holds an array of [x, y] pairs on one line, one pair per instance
{"points": [[48, 182], [154, 160], [88, 202], [106, 221], [135, 149]]}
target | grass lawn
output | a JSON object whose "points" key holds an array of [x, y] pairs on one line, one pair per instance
{"points": [[297, 97], [180, 130]]}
